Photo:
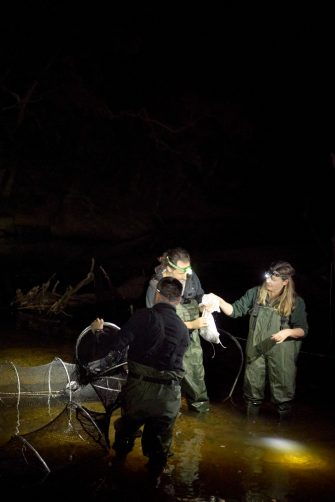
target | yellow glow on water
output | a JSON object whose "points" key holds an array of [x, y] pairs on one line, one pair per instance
{"points": [[216, 455], [298, 459], [290, 453]]}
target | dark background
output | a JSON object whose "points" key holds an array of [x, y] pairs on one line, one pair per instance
{"points": [[126, 131]]}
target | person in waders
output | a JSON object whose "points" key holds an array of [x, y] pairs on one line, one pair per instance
{"points": [[277, 325], [157, 340], [177, 263]]}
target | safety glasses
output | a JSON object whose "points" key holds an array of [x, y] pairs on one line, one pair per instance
{"points": [[184, 270], [274, 275]]}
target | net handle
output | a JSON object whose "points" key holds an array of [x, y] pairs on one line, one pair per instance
{"points": [[87, 329]]}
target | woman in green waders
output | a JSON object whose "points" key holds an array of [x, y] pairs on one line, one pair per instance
{"points": [[278, 323]]}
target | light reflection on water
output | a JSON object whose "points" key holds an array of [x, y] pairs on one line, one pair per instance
{"points": [[217, 456]]}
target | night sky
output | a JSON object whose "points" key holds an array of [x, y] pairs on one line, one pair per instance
{"points": [[126, 121]]}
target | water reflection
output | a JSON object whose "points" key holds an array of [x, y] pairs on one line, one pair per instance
{"points": [[218, 456]]}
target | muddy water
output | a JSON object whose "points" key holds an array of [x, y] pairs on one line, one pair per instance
{"points": [[218, 456]]}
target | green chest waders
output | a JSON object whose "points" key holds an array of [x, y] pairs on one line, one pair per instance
{"points": [[193, 384]]}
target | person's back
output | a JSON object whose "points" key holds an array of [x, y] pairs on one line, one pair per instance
{"points": [[157, 340]]}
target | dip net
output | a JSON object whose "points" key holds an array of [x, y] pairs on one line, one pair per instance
{"points": [[55, 415]]}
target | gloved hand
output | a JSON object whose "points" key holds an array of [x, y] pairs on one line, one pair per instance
{"points": [[97, 324]]}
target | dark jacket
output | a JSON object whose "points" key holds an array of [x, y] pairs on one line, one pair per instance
{"points": [[193, 288], [156, 337]]}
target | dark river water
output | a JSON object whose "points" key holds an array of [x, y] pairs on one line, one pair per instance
{"points": [[218, 456]]}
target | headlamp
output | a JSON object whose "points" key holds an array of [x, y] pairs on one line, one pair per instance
{"points": [[184, 270], [273, 274]]}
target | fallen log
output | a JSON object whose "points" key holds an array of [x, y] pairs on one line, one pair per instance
{"points": [[44, 299]]}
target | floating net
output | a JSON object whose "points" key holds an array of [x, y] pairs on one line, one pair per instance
{"points": [[51, 414]]}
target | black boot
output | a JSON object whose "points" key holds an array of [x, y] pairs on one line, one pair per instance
{"points": [[199, 406], [284, 413], [252, 411], [122, 446]]}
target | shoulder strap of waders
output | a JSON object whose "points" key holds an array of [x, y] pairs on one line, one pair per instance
{"points": [[255, 309]]}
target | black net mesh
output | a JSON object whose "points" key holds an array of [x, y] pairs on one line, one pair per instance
{"points": [[97, 364], [65, 441], [32, 396], [50, 415]]}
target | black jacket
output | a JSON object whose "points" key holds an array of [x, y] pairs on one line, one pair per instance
{"points": [[156, 337]]}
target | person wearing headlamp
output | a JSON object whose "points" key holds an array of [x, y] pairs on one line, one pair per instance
{"points": [[277, 325], [177, 263]]}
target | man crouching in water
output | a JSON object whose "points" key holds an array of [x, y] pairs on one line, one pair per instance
{"points": [[157, 340]]}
